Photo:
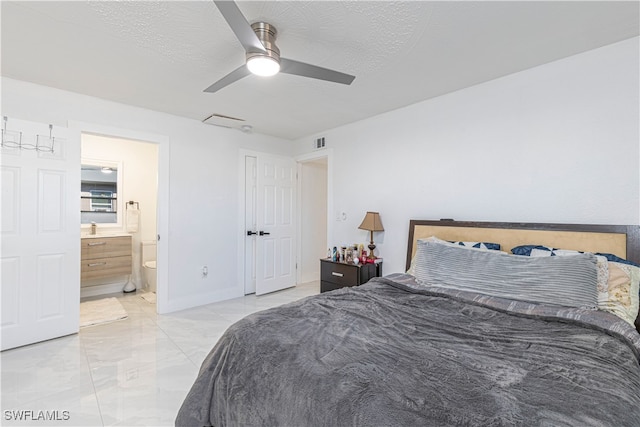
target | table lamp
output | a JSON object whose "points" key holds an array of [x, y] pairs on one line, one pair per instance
{"points": [[371, 222]]}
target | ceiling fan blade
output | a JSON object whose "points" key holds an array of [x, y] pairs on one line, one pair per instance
{"points": [[233, 76], [240, 26], [290, 66]]}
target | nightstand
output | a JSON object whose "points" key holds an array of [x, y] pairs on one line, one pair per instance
{"points": [[336, 275]]}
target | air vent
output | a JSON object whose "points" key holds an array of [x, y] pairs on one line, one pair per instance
{"points": [[318, 143], [222, 116], [222, 120]]}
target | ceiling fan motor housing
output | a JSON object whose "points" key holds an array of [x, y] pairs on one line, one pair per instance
{"points": [[267, 34]]}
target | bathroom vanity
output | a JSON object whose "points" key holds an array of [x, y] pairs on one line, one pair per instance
{"points": [[105, 257]]}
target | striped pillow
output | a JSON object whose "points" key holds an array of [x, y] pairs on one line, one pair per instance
{"points": [[485, 246], [567, 281]]}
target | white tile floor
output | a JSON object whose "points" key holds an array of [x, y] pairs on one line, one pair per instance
{"points": [[133, 372]]}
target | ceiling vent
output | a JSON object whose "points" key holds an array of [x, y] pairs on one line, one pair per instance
{"points": [[318, 143], [223, 121]]}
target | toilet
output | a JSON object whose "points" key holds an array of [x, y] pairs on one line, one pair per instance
{"points": [[149, 265]]}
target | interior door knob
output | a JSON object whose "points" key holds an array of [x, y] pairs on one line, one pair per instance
{"points": [[264, 233], [251, 233]]}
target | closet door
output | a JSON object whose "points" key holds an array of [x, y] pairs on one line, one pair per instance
{"points": [[40, 260], [275, 241]]}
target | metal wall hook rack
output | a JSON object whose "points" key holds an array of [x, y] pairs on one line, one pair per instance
{"points": [[13, 139], [10, 138]]}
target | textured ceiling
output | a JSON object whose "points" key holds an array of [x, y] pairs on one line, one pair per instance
{"points": [[161, 55]]}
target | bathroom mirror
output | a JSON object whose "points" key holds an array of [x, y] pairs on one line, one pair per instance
{"points": [[99, 201]]}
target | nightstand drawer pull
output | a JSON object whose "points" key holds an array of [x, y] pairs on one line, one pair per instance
{"points": [[337, 274], [97, 243], [95, 264]]}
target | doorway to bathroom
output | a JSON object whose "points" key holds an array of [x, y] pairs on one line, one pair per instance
{"points": [[119, 200]]}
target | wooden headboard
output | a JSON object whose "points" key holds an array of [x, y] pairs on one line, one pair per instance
{"points": [[620, 240]]}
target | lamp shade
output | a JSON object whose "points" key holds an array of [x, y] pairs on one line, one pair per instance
{"points": [[372, 222]]}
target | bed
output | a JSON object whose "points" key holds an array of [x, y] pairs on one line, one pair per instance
{"points": [[429, 348]]}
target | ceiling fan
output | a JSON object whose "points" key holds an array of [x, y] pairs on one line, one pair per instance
{"points": [[262, 54]]}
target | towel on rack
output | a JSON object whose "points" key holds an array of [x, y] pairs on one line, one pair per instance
{"points": [[133, 220]]}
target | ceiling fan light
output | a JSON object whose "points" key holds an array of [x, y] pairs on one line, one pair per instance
{"points": [[263, 66]]}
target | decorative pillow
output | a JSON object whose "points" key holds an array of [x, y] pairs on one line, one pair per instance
{"points": [[620, 294], [525, 250], [614, 258], [567, 281], [480, 245], [541, 250]]}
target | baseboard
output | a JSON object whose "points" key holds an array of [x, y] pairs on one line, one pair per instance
{"points": [[110, 288], [190, 301], [309, 277]]}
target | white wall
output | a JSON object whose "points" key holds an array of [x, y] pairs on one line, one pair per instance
{"points": [[139, 162], [198, 179], [556, 143]]}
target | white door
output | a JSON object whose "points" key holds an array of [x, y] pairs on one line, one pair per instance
{"points": [[250, 223], [275, 196], [40, 259]]}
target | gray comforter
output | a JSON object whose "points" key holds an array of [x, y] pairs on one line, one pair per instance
{"points": [[395, 353]]}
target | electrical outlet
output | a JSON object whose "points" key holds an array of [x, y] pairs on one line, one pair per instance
{"points": [[205, 272]]}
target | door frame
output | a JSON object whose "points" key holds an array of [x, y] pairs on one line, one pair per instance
{"points": [[162, 211], [308, 157]]}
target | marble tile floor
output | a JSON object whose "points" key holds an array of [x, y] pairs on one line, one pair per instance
{"points": [[133, 372]]}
